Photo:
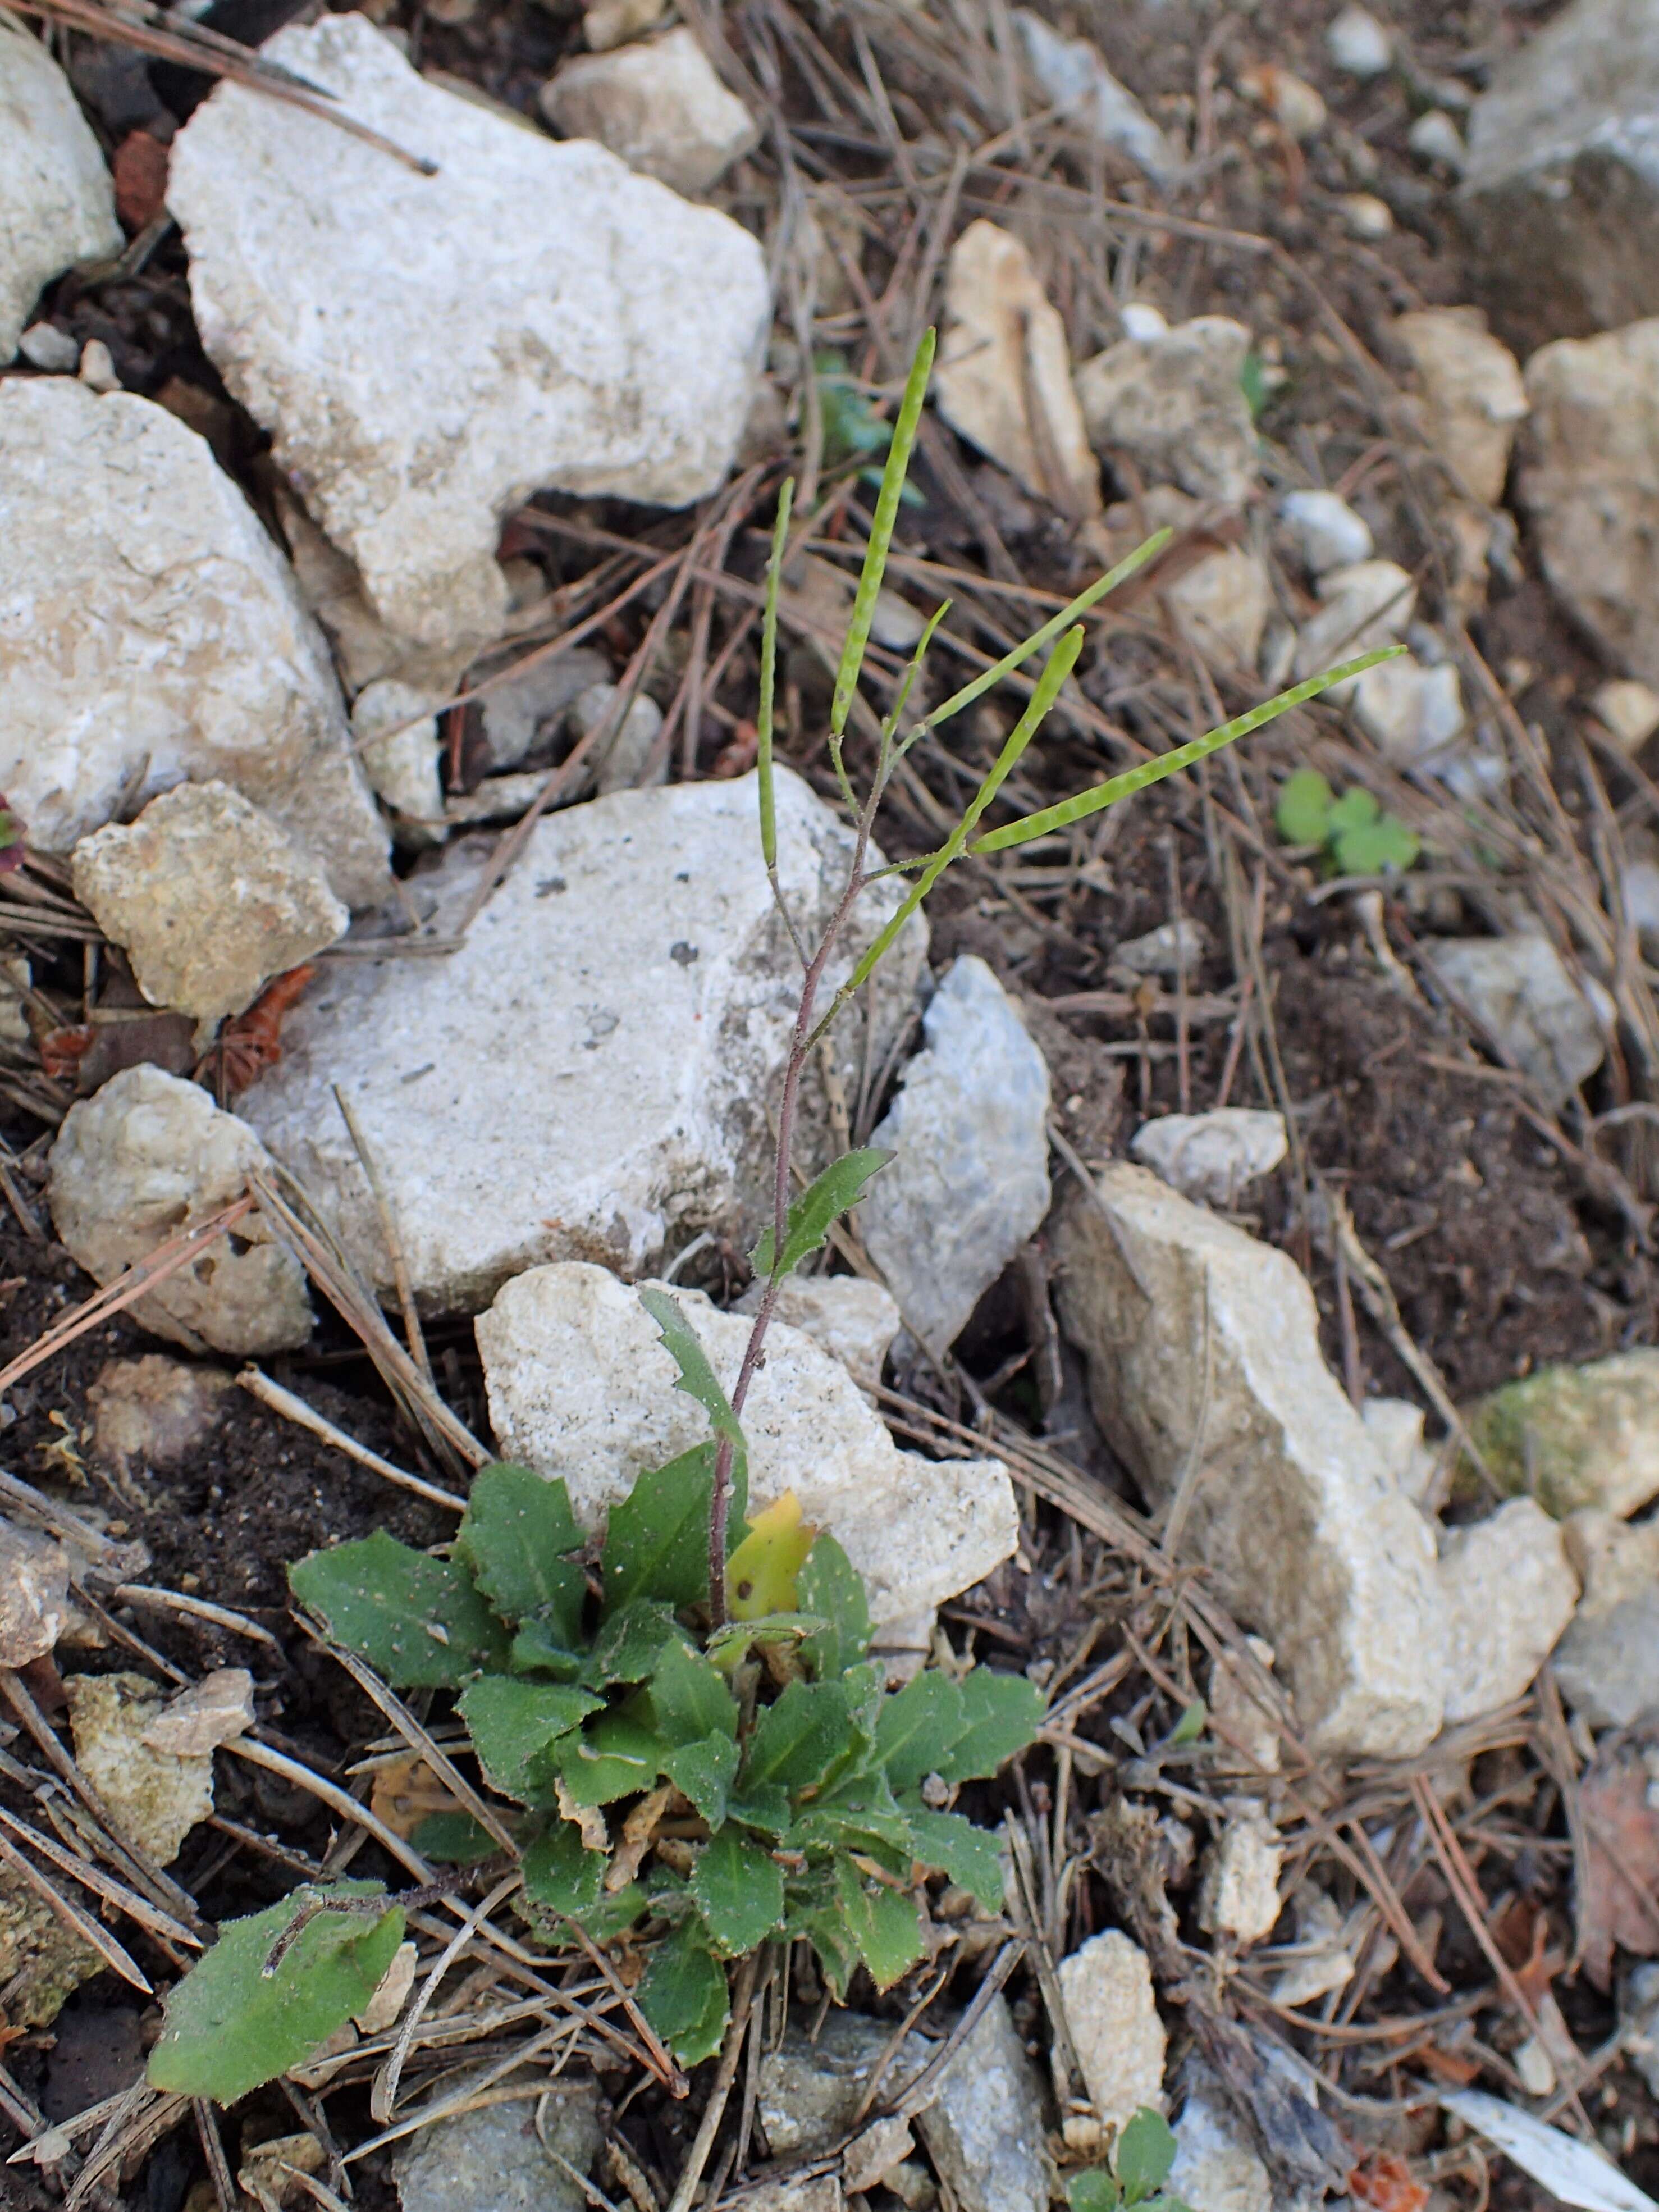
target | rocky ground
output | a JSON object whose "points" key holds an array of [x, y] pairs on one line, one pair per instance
{"points": [[1254, 1339]]}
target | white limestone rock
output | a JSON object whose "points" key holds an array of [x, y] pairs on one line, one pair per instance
{"points": [[622, 757], [1628, 711], [1508, 1592], [1238, 1895], [1367, 604], [57, 202], [1216, 2165], [1395, 1426], [1174, 405], [1607, 1662], [1358, 44], [984, 2130], [214, 1711], [427, 350], [34, 1599], [1213, 1156], [521, 709], [1073, 76], [1329, 534], [970, 1181], [1560, 197], [156, 1796], [1164, 950], [588, 1075], [1435, 139], [147, 1156], [854, 1319], [581, 1386], [1472, 394], [1107, 1987], [1577, 1438], [1246, 1716], [659, 106], [1296, 106], [1517, 988], [144, 615], [1203, 1350], [398, 742], [209, 897], [496, 2158], [1004, 355], [1414, 713], [1590, 483]]}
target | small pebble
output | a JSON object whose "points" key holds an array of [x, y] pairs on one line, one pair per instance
{"points": [[1142, 320], [1359, 45], [98, 366], [1328, 533], [1629, 710], [43, 345], [1365, 215], [1436, 137], [1293, 103]]}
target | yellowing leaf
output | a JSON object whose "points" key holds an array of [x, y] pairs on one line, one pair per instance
{"points": [[760, 1575]]}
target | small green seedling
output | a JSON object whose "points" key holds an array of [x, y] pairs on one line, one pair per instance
{"points": [[682, 1742], [1140, 2166], [1358, 838], [852, 428]]}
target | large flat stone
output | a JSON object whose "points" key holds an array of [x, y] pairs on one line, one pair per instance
{"points": [[1590, 483], [590, 1076], [144, 615], [581, 1387], [1203, 1351], [970, 1182], [426, 351], [1561, 191], [57, 202]]}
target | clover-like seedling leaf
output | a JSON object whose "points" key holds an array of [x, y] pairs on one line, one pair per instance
{"points": [[1146, 2152], [516, 1537], [830, 1586], [819, 1206], [419, 1622], [1093, 2192], [1382, 848], [1004, 1712], [513, 1723], [1305, 808], [229, 2026], [1190, 1726], [683, 1995]]}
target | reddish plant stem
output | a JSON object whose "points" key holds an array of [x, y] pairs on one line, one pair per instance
{"points": [[719, 1503]]}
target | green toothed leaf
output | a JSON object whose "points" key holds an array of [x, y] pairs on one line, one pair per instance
{"points": [[419, 1622], [819, 1206], [229, 2027]]}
